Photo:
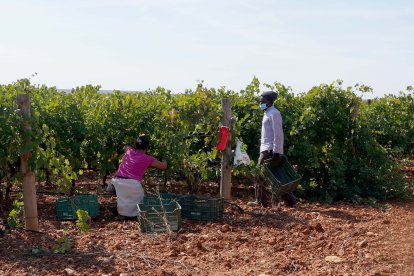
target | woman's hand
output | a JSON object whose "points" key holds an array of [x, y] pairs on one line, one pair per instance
{"points": [[161, 165]]}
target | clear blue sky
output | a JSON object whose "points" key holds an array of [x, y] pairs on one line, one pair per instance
{"points": [[136, 45]]}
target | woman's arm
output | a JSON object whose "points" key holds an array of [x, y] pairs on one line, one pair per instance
{"points": [[159, 165]]}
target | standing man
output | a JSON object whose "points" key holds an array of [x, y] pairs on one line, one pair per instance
{"points": [[271, 142]]}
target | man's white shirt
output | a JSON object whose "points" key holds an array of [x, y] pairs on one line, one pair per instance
{"points": [[272, 131]]}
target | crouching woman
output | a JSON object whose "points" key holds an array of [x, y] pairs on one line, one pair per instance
{"points": [[127, 179]]}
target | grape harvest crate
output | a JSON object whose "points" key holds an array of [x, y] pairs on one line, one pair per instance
{"points": [[160, 217], [201, 208], [192, 206], [66, 207], [281, 175], [164, 197]]}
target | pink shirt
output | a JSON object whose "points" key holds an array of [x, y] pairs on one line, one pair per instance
{"points": [[134, 164]]}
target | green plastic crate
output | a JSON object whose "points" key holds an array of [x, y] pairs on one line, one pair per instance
{"points": [[170, 196], [159, 218], [165, 197], [201, 208], [281, 175], [66, 207], [152, 200], [192, 207]]}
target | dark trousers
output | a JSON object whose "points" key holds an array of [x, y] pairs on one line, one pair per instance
{"points": [[263, 191]]}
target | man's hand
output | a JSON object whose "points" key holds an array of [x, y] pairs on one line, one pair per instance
{"points": [[277, 156], [277, 159]]}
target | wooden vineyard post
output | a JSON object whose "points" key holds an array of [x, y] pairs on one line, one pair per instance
{"points": [[225, 181], [28, 183]]}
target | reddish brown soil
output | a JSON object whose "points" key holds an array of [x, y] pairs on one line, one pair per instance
{"points": [[261, 241]]}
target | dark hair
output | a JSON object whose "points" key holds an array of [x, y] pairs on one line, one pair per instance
{"points": [[142, 143]]}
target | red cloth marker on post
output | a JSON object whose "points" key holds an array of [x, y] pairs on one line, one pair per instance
{"points": [[224, 137]]}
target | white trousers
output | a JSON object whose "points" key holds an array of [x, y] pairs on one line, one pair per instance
{"points": [[129, 193]]}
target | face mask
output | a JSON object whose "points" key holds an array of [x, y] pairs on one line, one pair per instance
{"points": [[263, 106]]}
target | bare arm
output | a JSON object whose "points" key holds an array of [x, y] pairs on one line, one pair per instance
{"points": [[159, 165]]}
